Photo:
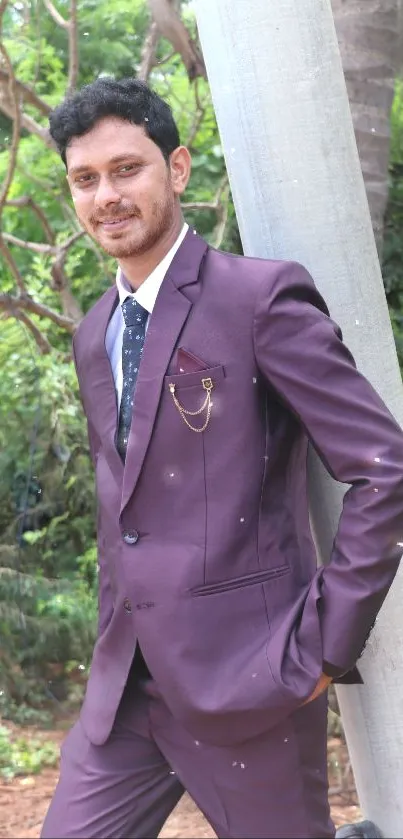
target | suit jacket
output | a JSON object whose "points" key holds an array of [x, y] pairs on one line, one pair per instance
{"points": [[205, 552]]}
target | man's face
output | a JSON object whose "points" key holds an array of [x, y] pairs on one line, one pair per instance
{"points": [[124, 191]]}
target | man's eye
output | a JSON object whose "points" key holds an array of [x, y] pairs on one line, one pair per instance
{"points": [[84, 179], [128, 167]]}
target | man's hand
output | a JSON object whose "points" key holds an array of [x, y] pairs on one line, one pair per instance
{"points": [[322, 685]]}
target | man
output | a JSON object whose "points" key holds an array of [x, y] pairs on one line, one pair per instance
{"points": [[203, 375]]}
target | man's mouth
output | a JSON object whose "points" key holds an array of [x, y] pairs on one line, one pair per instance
{"points": [[114, 223]]}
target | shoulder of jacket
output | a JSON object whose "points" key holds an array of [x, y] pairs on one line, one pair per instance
{"points": [[240, 263], [250, 273]]}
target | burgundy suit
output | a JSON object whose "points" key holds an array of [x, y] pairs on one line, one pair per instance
{"points": [[205, 553]]}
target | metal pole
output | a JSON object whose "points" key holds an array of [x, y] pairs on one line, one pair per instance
{"points": [[283, 113]]}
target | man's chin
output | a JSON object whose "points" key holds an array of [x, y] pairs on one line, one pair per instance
{"points": [[125, 247], [120, 248]]}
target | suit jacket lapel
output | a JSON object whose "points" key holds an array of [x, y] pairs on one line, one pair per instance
{"points": [[171, 310], [97, 377]]}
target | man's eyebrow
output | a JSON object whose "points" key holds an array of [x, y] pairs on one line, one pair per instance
{"points": [[117, 158]]}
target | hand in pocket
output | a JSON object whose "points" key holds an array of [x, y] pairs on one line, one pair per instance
{"points": [[321, 686]]}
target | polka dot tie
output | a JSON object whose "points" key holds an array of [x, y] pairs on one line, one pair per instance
{"points": [[135, 318]]}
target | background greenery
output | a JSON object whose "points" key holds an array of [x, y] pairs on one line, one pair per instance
{"points": [[48, 566], [393, 235]]}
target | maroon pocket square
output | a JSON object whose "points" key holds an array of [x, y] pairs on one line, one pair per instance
{"points": [[186, 362]]}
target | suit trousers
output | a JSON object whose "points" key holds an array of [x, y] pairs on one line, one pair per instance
{"points": [[271, 786]]}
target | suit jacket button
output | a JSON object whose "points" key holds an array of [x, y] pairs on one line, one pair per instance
{"points": [[127, 605], [130, 537]]}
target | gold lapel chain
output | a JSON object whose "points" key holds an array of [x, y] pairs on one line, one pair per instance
{"points": [[207, 406]]}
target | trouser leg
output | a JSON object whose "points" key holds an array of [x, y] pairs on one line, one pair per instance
{"points": [[272, 786], [123, 788]]}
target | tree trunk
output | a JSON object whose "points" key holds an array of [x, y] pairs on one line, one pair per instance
{"points": [[166, 14], [367, 32]]}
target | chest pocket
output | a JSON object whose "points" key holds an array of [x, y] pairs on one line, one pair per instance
{"points": [[192, 395]]}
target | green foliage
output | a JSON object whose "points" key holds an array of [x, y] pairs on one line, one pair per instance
{"points": [[393, 239], [47, 525], [23, 756], [48, 557], [48, 630]]}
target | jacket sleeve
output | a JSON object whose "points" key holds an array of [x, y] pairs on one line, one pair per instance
{"points": [[105, 591], [302, 356]]}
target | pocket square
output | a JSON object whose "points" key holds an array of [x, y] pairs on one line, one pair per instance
{"points": [[186, 362]]}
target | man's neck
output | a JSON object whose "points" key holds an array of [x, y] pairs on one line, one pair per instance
{"points": [[137, 268]]}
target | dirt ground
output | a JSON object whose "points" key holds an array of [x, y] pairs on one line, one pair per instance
{"points": [[24, 800]]}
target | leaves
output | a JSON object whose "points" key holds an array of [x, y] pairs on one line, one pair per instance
{"points": [[23, 756], [393, 240]]}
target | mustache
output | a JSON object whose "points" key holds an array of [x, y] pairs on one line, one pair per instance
{"points": [[123, 210]]}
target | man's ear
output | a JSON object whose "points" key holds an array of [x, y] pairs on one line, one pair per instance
{"points": [[180, 163]]}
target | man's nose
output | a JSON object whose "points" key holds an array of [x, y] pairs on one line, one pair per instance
{"points": [[106, 193]]}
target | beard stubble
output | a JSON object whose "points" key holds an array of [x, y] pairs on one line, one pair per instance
{"points": [[148, 235]]}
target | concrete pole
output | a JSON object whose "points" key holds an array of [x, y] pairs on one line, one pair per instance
{"points": [[283, 113]]}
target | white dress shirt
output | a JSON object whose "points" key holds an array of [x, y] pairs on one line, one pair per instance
{"points": [[146, 296]]}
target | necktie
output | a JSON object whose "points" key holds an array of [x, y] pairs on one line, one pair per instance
{"points": [[135, 318]]}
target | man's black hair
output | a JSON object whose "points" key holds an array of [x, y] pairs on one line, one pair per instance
{"points": [[128, 99]]}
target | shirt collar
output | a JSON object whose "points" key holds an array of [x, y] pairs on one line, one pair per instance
{"points": [[147, 294]]}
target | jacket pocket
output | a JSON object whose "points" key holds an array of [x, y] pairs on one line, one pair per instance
{"points": [[180, 380], [240, 582]]}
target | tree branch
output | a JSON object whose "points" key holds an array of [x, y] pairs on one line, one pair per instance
{"points": [[57, 17], [3, 6], [27, 94], [35, 247], [73, 47], [39, 247], [222, 218], [48, 186], [71, 26], [9, 259], [13, 304], [72, 240], [170, 25], [13, 93], [199, 205], [60, 282], [27, 122], [166, 58], [221, 189], [199, 116], [34, 127], [148, 58], [219, 206], [41, 341], [27, 201], [70, 306]]}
